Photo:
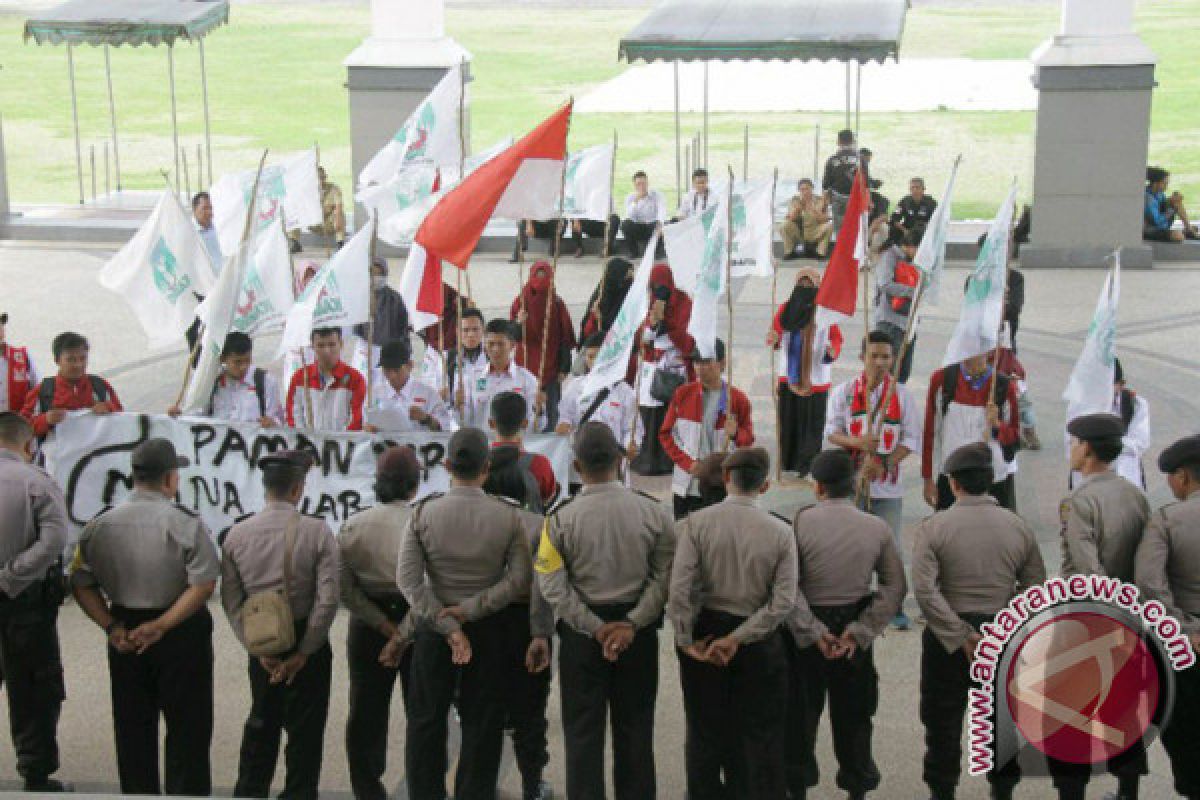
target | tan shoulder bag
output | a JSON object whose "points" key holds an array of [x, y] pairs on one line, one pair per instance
{"points": [[268, 626]]}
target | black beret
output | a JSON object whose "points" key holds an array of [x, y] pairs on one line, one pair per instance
{"points": [[595, 446], [1096, 426], [1184, 452], [467, 451], [287, 459], [748, 458], [976, 455], [832, 466]]}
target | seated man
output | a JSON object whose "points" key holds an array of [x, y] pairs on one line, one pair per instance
{"points": [[419, 406], [330, 394], [508, 417], [333, 213], [645, 213], [594, 229], [242, 392], [1161, 210], [697, 198], [548, 229], [912, 213], [808, 224], [72, 389]]}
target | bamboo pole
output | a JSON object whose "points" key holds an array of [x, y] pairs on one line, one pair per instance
{"points": [[746, 153], [92, 156], [187, 179], [678, 174], [562, 186], [75, 118], [612, 176], [308, 403], [775, 350], [174, 114], [727, 440], [112, 115], [207, 126], [371, 309]]}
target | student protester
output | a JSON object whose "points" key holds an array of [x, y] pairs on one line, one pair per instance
{"points": [[547, 335], [604, 564], [503, 374], [414, 405], [733, 584], [696, 200], [474, 360], [607, 298], [380, 628], [614, 405], [1134, 411], [851, 583], [144, 572], [464, 559], [389, 317], [279, 551], [242, 392], [805, 372], [665, 345], [508, 420], [1161, 211], [896, 282], [72, 389], [705, 416], [808, 225], [912, 213], [336, 391], [17, 372], [645, 213], [879, 440]]}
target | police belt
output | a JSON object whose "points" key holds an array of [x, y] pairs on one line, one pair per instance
{"points": [[36, 595], [837, 618], [974, 619], [619, 612], [710, 622], [393, 604]]}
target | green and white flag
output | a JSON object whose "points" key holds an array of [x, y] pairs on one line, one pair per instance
{"points": [[753, 227], [266, 296], [612, 362], [1090, 387], [429, 136], [288, 188], [217, 313], [338, 296], [160, 271], [698, 249], [978, 329], [402, 203], [931, 254], [587, 188]]}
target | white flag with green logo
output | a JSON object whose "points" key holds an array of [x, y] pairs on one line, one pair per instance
{"points": [[403, 202], [160, 271], [1090, 387], [978, 329], [429, 136], [612, 362], [288, 187], [931, 254], [587, 187], [753, 227], [337, 297], [217, 313], [266, 296], [697, 248]]}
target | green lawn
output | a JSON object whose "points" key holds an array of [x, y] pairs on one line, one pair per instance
{"points": [[276, 80]]}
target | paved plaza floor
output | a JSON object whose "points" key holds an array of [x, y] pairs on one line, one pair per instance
{"points": [[51, 288]]}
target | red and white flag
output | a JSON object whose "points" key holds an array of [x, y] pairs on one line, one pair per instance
{"points": [[523, 182], [838, 295], [421, 288]]}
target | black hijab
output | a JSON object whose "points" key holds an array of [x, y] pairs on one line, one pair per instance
{"points": [[610, 293]]}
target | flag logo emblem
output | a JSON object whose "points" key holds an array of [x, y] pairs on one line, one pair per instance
{"points": [[165, 269]]}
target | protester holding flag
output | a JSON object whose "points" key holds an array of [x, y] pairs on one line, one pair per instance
{"points": [[17, 371], [389, 315], [474, 360], [547, 335], [607, 298], [336, 390], [503, 374], [72, 389], [897, 281], [805, 372], [614, 405], [242, 392]]}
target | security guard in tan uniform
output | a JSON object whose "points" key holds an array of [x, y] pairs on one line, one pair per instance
{"points": [[144, 572], [289, 692], [464, 559], [1168, 570], [838, 615], [969, 561], [380, 626], [33, 532], [1102, 524], [733, 584], [604, 563]]}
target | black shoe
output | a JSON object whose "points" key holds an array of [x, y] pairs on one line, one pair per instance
{"points": [[340, 245], [47, 786], [294, 246], [541, 791]]}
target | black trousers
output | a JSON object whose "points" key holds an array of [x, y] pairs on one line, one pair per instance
{"points": [[1180, 736], [802, 428], [553, 391], [1005, 493], [31, 669], [652, 459], [637, 236], [852, 687], [371, 689], [550, 230], [483, 687], [735, 722], [945, 683], [595, 229], [173, 679], [682, 506], [527, 706], [299, 709], [595, 689]]}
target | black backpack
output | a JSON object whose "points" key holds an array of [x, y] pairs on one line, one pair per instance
{"points": [[46, 391], [999, 396]]}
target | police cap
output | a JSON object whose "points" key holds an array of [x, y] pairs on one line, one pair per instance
{"points": [[1091, 427], [156, 457], [1182, 453]]}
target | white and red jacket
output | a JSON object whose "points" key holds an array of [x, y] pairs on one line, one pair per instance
{"points": [[826, 349], [337, 401], [18, 376], [683, 428]]}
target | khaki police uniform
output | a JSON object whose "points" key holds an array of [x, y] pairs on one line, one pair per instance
{"points": [[840, 550], [468, 549], [605, 556], [33, 532], [368, 550], [252, 562], [734, 575], [969, 561]]}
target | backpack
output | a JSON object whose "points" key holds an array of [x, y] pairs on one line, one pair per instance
{"points": [[260, 391], [46, 391], [533, 492], [1000, 396]]}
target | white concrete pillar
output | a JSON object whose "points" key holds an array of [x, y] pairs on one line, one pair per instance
{"points": [[1091, 17], [408, 19]]}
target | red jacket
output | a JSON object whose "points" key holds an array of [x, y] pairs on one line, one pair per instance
{"points": [[1010, 417], [20, 373], [341, 400], [683, 426], [68, 396]]}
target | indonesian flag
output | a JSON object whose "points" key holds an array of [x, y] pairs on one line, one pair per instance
{"points": [[523, 182], [837, 297]]}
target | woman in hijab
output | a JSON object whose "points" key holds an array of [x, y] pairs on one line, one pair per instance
{"points": [[544, 318], [666, 346], [804, 372], [607, 298]]}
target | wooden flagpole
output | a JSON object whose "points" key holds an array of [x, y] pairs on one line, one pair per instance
{"points": [[371, 309], [303, 359], [775, 351], [459, 305], [612, 176], [728, 440], [562, 187]]}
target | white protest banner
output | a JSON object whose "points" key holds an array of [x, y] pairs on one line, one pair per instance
{"points": [[587, 189], [89, 457], [289, 186]]}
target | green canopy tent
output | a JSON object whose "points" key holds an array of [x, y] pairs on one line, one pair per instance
{"points": [[112, 23]]}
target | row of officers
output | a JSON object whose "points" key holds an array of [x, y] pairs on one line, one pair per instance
{"points": [[460, 595]]}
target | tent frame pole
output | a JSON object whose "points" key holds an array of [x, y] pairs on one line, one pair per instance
{"points": [[705, 162], [849, 83], [857, 99], [678, 155], [75, 119], [207, 124], [174, 112], [112, 115]]}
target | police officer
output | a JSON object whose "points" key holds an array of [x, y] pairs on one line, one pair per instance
{"points": [[33, 532], [1168, 570], [838, 179], [464, 559], [289, 692], [144, 572], [969, 561], [733, 584], [603, 564], [838, 615], [368, 548]]}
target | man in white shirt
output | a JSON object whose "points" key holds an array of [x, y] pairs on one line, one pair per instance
{"points": [[698, 197], [242, 392], [202, 213], [645, 213], [403, 403], [474, 359], [502, 375]]}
